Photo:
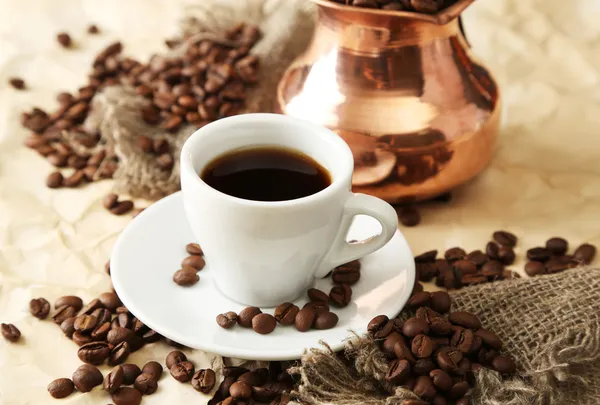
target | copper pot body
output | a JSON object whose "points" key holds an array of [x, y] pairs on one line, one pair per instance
{"points": [[420, 114]]}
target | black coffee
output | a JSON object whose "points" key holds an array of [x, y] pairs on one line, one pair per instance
{"points": [[266, 174]]}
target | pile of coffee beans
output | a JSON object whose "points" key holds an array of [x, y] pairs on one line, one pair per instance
{"points": [[435, 355], [208, 81], [315, 314], [419, 6], [115, 383], [190, 266], [459, 268]]}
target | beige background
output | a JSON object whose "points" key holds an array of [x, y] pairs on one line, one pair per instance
{"points": [[544, 180]]}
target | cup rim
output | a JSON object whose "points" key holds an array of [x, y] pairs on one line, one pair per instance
{"points": [[187, 167]]}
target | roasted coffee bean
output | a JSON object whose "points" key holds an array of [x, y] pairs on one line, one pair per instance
{"points": [[114, 379], [93, 29], [476, 345], [182, 371], [441, 379], [175, 357], [17, 83], [130, 373], [151, 336], [317, 295], [305, 319], [486, 356], [380, 327], [464, 319], [64, 39], [427, 314], [81, 339], [91, 307], [110, 301], [124, 320], [194, 249], [119, 354], [539, 254], [240, 390], [426, 271], [441, 340], [85, 323], [61, 388], [465, 267], [423, 366], [492, 269], [415, 326], [462, 339], [398, 372], [448, 358], [422, 346], [68, 326], [87, 377], [39, 307], [424, 388], [348, 273], [340, 295], [194, 261], [455, 254], [505, 238], [94, 353], [420, 299], [318, 306], [506, 255], [286, 313], [557, 246], [477, 257], [489, 338], [440, 301], [504, 364], [418, 287], [325, 320], [458, 390], [138, 327], [408, 216], [491, 250], [146, 384], [10, 332], [186, 277], [263, 394], [246, 315], [401, 350], [122, 207], [110, 200], [54, 180], [227, 320], [118, 335], [264, 324], [152, 369], [57, 159], [126, 396], [585, 253], [427, 257]]}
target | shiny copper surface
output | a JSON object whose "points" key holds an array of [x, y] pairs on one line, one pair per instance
{"points": [[419, 113]]}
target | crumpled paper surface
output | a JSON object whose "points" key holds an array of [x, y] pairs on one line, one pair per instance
{"points": [[544, 180]]}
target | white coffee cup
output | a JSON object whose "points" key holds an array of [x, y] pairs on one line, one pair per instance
{"points": [[267, 253]]}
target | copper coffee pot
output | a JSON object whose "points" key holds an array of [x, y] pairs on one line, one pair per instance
{"points": [[404, 91]]}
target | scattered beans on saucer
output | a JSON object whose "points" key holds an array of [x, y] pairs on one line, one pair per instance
{"points": [[190, 266]]}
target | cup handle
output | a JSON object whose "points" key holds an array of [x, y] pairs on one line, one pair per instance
{"points": [[343, 252]]}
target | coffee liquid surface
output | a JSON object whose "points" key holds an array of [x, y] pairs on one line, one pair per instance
{"points": [[266, 174]]}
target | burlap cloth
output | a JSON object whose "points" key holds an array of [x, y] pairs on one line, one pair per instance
{"points": [[550, 324]]}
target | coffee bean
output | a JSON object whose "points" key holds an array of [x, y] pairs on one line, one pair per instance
{"points": [[263, 394], [227, 320], [54, 180], [448, 358], [423, 366], [427, 257], [504, 365], [462, 339], [182, 371], [585, 253], [422, 346], [61, 388], [440, 301], [286, 313], [87, 377], [398, 372], [151, 336], [348, 273], [122, 207], [506, 255], [415, 326], [453, 278], [264, 324], [491, 250], [539, 254], [138, 327], [186, 277], [17, 83], [426, 271], [130, 372], [325, 320], [94, 353], [477, 257], [400, 349], [194, 249], [492, 269], [119, 354], [420, 299], [64, 39], [110, 201], [465, 266], [118, 335], [441, 340], [486, 356], [146, 384], [124, 320], [10, 332], [240, 390], [91, 307], [68, 326], [441, 379], [93, 29], [424, 388], [380, 327], [85, 323], [557, 246], [465, 319], [175, 357], [234, 372], [455, 254], [317, 295], [305, 319], [476, 345], [114, 379], [194, 261], [81, 339], [204, 380], [489, 338], [458, 390], [127, 396], [409, 216], [340, 295], [505, 238], [39, 307], [246, 315]]}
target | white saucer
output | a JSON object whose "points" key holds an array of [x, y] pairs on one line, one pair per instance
{"points": [[151, 248]]}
